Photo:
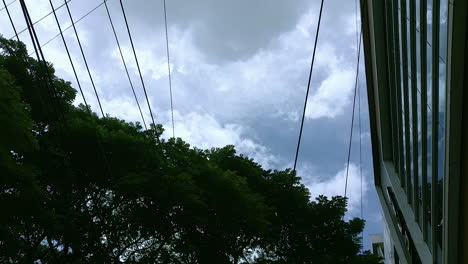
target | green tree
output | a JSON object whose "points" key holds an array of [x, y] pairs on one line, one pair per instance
{"points": [[76, 188]]}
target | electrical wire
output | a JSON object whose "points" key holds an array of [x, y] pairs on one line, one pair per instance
{"points": [[9, 17], [7, 5], [360, 130], [169, 69], [138, 65], [52, 95], [308, 88], [69, 56], [124, 64], [84, 59], [352, 116], [74, 23], [40, 19]]}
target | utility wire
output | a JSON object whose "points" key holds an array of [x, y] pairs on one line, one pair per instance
{"points": [[9, 17], [360, 131], [352, 116], [52, 95], [74, 23], [136, 60], [308, 88], [69, 56], [40, 19], [124, 64], [169, 69], [84, 59], [7, 5]]}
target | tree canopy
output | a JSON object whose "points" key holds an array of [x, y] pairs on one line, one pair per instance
{"points": [[77, 188]]}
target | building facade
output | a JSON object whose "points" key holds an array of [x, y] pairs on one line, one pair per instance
{"points": [[416, 55]]}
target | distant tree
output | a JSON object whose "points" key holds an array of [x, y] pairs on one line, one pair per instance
{"points": [[76, 188]]}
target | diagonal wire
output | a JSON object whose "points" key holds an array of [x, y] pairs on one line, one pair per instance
{"points": [[9, 17], [124, 64], [308, 88], [39, 20], [169, 69], [69, 56], [360, 131], [136, 60], [7, 5], [73, 23], [84, 58], [352, 116]]}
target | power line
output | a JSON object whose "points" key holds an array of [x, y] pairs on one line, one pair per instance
{"points": [[69, 56], [9, 17], [73, 23], [7, 5], [360, 131], [308, 87], [52, 95], [352, 116], [40, 19], [169, 69], [84, 58], [136, 60], [124, 64]]}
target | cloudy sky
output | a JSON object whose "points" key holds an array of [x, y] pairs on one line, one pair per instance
{"points": [[239, 74]]}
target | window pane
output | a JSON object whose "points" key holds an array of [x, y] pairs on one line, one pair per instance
{"points": [[429, 123], [418, 115]]}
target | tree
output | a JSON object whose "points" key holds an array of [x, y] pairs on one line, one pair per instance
{"points": [[78, 188]]}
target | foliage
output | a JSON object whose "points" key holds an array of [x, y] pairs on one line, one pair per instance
{"points": [[76, 188]]}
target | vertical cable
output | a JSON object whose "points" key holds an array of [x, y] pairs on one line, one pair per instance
{"points": [[136, 60], [69, 56], [308, 88], [7, 5], [124, 64], [352, 117], [84, 58], [37, 21], [360, 130], [169, 69], [11, 20]]}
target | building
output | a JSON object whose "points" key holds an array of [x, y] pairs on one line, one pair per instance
{"points": [[417, 81], [378, 249]]}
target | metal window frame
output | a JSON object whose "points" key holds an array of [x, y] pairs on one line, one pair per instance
{"points": [[423, 55], [414, 107], [405, 97], [399, 114], [435, 120], [391, 80], [455, 166]]}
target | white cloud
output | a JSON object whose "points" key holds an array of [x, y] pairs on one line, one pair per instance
{"points": [[204, 131], [335, 185], [334, 92]]}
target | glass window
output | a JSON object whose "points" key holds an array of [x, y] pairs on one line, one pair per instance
{"points": [[429, 123], [418, 115]]}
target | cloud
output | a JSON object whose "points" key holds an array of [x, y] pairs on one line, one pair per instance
{"points": [[334, 92], [204, 131], [335, 185]]}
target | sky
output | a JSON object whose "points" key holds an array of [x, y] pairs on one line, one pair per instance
{"points": [[239, 76]]}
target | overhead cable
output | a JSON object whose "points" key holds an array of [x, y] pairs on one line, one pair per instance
{"points": [[69, 56], [169, 69], [352, 116], [137, 64], [74, 23], [308, 87], [9, 17], [39, 20], [124, 64], [7, 5], [84, 59]]}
